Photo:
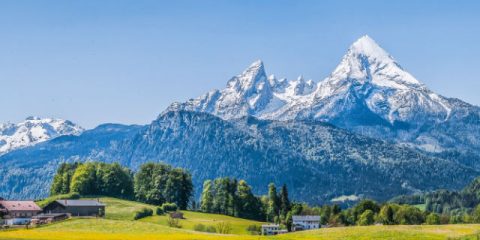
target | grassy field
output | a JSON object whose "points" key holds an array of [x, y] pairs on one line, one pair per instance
{"points": [[118, 225], [239, 226], [93, 229]]}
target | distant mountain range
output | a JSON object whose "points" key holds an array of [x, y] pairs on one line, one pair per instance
{"points": [[34, 130], [370, 129]]}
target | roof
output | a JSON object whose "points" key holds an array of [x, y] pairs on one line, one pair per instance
{"points": [[20, 206], [80, 203], [270, 226], [306, 218]]}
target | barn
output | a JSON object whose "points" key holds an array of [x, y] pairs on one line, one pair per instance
{"points": [[76, 208]]}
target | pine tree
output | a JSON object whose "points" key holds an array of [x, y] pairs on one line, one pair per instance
{"points": [[273, 202], [285, 205], [206, 204]]}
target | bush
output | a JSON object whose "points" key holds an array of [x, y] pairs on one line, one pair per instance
{"points": [[224, 227], [367, 218], [199, 227], [433, 219], [254, 229], [144, 212], [169, 207], [159, 211], [211, 229], [173, 222]]}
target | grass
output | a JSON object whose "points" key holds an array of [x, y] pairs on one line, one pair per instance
{"points": [[117, 209], [118, 224], [239, 226], [420, 206], [93, 229], [123, 210], [398, 232]]}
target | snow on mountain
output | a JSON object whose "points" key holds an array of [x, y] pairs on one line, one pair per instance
{"points": [[368, 92], [34, 130]]}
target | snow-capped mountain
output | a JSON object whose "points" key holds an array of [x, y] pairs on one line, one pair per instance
{"points": [[368, 92], [34, 130]]}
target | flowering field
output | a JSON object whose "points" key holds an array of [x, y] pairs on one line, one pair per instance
{"points": [[93, 229]]}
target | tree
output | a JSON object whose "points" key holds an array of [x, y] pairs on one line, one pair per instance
{"points": [[386, 215], [364, 205], [207, 197], [248, 206], [285, 205], [476, 214], [367, 218], [61, 180], [433, 219], [156, 183], [289, 221], [409, 215], [186, 190], [114, 180], [149, 183], [84, 179], [273, 202], [220, 200]]}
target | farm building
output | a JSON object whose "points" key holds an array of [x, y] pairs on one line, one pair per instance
{"points": [[18, 212], [305, 222], [272, 229], [76, 207]]}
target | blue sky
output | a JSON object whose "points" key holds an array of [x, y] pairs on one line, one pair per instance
{"points": [[126, 61]]}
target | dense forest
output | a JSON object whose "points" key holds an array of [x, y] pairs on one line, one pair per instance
{"points": [[457, 204]]}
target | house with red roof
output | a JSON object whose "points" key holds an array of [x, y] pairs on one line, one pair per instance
{"points": [[18, 212]]}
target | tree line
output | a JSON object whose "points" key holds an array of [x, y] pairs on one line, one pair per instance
{"points": [[158, 183], [235, 198], [153, 183], [460, 206]]}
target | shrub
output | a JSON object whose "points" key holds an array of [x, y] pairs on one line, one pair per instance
{"points": [[169, 207], [144, 212], [173, 222], [159, 211], [199, 227], [433, 219], [367, 218], [224, 227], [254, 229], [211, 229]]}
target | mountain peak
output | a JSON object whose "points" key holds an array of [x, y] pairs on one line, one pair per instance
{"points": [[366, 61], [256, 68], [366, 46], [34, 130], [249, 77]]}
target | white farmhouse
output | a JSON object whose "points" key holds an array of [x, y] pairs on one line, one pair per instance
{"points": [[270, 229], [305, 222]]}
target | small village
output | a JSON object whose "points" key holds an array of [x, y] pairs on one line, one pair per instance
{"points": [[25, 214]]}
